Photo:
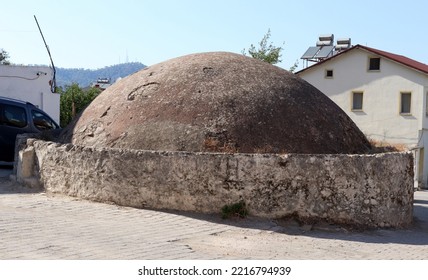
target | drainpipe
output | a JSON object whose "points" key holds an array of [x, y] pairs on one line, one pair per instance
{"points": [[417, 158], [41, 101], [416, 155]]}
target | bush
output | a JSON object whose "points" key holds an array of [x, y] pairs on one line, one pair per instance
{"points": [[74, 95]]}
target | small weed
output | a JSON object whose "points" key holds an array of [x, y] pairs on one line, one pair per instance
{"points": [[211, 144], [234, 210], [220, 143]]}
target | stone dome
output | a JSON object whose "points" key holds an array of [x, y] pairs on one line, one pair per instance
{"points": [[216, 102]]}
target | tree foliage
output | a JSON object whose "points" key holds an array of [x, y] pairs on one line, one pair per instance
{"points": [[265, 51], [294, 67], [73, 100], [268, 52], [4, 56]]}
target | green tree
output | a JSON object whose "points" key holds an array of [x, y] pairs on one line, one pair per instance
{"points": [[73, 100], [4, 57], [266, 51], [294, 67]]}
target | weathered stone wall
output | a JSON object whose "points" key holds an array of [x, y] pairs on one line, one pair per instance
{"points": [[366, 190]]}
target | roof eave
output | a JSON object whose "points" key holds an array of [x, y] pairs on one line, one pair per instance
{"points": [[370, 50], [327, 59]]}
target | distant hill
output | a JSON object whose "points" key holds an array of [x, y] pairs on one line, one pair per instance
{"points": [[84, 77]]}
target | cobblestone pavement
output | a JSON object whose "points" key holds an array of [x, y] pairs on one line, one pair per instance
{"points": [[34, 225]]}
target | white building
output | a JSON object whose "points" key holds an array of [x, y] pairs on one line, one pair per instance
{"points": [[31, 84], [385, 94]]}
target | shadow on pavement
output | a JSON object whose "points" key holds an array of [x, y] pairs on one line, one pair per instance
{"points": [[8, 186], [416, 234], [419, 201]]}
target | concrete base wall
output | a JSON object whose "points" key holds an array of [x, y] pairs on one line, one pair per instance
{"points": [[364, 190]]}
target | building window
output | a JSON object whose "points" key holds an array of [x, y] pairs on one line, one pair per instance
{"points": [[374, 63], [357, 101], [406, 103], [328, 73]]}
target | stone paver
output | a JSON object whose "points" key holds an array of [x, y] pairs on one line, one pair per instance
{"points": [[34, 225]]}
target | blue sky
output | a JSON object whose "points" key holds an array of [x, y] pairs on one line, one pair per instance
{"points": [[94, 34]]}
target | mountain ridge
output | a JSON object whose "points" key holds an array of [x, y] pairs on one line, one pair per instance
{"points": [[84, 77]]}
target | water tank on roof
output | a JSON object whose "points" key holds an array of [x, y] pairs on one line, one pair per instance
{"points": [[325, 40], [343, 44]]}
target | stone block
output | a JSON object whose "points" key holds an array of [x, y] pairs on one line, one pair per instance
{"points": [[373, 190]]}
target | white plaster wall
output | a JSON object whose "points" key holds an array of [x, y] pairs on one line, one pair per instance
{"points": [[23, 83], [380, 118]]}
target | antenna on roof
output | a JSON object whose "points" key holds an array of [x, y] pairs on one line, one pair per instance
{"points": [[53, 84]]}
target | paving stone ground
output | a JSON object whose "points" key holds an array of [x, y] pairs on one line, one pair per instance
{"points": [[34, 225]]}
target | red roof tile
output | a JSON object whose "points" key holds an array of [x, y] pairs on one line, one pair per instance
{"points": [[400, 59]]}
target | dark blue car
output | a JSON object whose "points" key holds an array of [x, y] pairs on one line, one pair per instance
{"points": [[17, 117]]}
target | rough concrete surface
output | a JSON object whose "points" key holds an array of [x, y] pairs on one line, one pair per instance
{"points": [[36, 225], [362, 190], [217, 102]]}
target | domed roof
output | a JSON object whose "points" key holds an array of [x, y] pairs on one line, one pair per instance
{"points": [[218, 102]]}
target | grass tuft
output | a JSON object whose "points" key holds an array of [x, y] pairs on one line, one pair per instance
{"points": [[238, 209]]}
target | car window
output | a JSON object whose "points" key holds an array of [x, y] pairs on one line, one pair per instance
{"points": [[42, 121], [14, 116]]}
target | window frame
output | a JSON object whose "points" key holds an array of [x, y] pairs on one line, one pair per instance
{"points": [[401, 111], [353, 93], [326, 72], [369, 69]]}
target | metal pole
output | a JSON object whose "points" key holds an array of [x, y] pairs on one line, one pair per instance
{"points": [[53, 85]]}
